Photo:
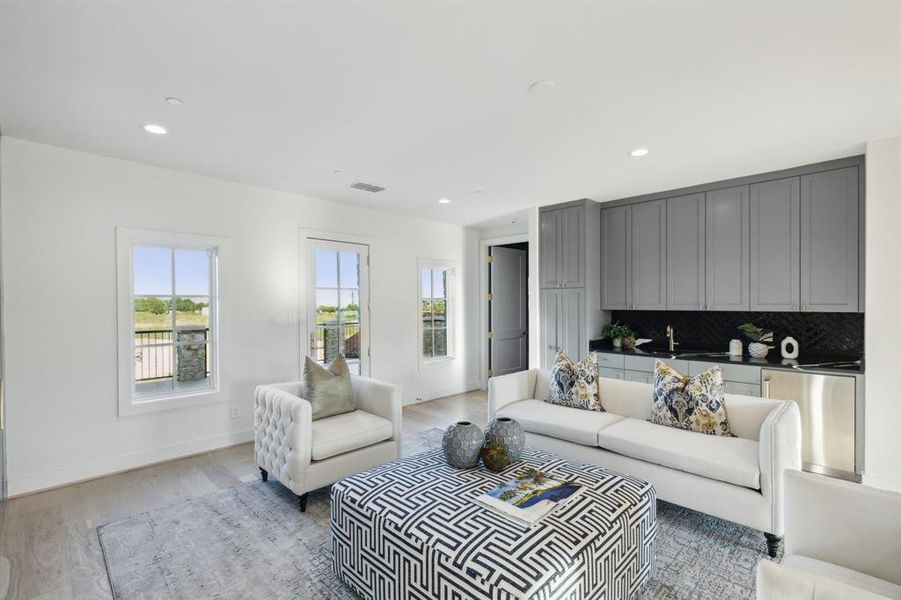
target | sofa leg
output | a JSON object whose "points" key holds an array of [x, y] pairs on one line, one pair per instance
{"points": [[772, 544], [264, 474], [302, 499]]}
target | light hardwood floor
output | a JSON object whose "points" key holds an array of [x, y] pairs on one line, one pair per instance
{"points": [[48, 541]]}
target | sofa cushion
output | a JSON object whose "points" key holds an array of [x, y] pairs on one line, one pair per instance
{"points": [[348, 431], [781, 582], [855, 579], [730, 459], [570, 424], [696, 403], [576, 384]]}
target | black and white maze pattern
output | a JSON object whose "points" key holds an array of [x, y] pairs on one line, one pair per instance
{"points": [[412, 530]]}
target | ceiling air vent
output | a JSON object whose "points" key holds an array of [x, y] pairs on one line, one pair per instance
{"points": [[366, 187]]}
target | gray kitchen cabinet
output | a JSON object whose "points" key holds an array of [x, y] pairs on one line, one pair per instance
{"points": [[648, 255], [563, 324], [572, 246], [549, 248], [611, 361], [562, 247], [639, 376], [616, 268], [727, 232], [829, 241], [775, 245], [550, 336], [685, 260], [613, 373], [744, 389]]}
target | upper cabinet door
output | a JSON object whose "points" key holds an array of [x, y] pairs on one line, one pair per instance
{"points": [[685, 253], [616, 266], [549, 249], [775, 245], [649, 255], [829, 241], [571, 266], [726, 247]]}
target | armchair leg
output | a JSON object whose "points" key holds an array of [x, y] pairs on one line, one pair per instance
{"points": [[302, 499], [773, 542], [264, 474]]}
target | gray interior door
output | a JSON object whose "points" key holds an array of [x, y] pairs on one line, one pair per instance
{"points": [[685, 252], [509, 311], [616, 269], [727, 248], [829, 241], [775, 245]]}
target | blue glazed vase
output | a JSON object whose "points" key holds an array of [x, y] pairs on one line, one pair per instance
{"points": [[462, 443], [508, 433]]}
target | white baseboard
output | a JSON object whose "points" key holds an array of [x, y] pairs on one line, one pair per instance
{"points": [[450, 390], [35, 482], [882, 483]]}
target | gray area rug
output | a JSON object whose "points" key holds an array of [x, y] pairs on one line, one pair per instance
{"points": [[250, 541]]}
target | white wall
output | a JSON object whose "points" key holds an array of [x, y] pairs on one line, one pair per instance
{"points": [[883, 314], [60, 210]]}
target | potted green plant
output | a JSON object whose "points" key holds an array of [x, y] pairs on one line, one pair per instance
{"points": [[758, 348], [616, 332]]}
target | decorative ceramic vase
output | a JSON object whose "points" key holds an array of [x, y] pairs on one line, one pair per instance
{"points": [[617, 342], [758, 350], [462, 443], [508, 433], [495, 457], [790, 348]]}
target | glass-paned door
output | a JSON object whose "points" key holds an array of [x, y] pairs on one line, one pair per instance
{"points": [[338, 303]]}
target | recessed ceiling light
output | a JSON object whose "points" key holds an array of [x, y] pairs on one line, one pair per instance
{"points": [[638, 152], [444, 201], [155, 129], [542, 87], [338, 172], [174, 101]]}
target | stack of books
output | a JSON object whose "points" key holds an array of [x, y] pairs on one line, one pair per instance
{"points": [[529, 497]]}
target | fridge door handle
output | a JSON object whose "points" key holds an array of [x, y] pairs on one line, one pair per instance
{"points": [[766, 388]]}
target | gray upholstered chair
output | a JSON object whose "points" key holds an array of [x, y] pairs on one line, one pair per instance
{"points": [[304, 454]]}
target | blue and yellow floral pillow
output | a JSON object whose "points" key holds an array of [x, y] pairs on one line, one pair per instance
{"points": [[576, 384], [694, 403]]}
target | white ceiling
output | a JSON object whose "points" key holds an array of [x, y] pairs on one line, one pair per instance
{"points": [[431, 99]]}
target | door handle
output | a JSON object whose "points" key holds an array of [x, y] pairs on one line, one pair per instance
{"points": [[766, 388]]}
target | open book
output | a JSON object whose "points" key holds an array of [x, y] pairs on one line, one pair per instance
{"points": [[529, 497]]}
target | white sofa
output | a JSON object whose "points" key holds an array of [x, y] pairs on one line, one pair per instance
{"points": [[306, 455], [738, 479], [842, 541]]}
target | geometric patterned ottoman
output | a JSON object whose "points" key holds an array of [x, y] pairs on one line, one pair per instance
{"points": [[412, 529]]}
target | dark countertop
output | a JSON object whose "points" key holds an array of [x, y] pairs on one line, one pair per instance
{"points": [[819, 363]]}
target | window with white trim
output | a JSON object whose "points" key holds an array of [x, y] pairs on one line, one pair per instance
{"points": [[168, 319], [436, 301]]}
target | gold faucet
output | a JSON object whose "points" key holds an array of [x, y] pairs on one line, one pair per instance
{"points": [[669, 334]]}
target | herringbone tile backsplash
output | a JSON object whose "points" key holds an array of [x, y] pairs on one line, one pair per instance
{"points": [[816, 332]]}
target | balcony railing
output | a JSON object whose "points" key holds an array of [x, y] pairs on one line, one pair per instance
{"points": [[154, 358], [328, 339]]}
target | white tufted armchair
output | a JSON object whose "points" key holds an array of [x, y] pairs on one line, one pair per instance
{"points": [[305, 455]]}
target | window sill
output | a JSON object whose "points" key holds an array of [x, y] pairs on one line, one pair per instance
{"points": [[425, 362], [130, 406]]}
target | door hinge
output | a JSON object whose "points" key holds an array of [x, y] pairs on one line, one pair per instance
{"points": [[490, 296], [490, 335], [490, 372], [490, 258], [369, 305], [368, 259], [369, 352]]}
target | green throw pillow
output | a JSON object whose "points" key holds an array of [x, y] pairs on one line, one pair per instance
{"points": [[695, 403], [328, 389]]}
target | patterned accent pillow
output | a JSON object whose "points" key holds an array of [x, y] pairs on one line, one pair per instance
{"points": [[576, 384], [694, 403]]}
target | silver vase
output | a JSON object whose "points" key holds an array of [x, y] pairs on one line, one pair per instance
{"points": [[462, 443], [508, 433]]}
